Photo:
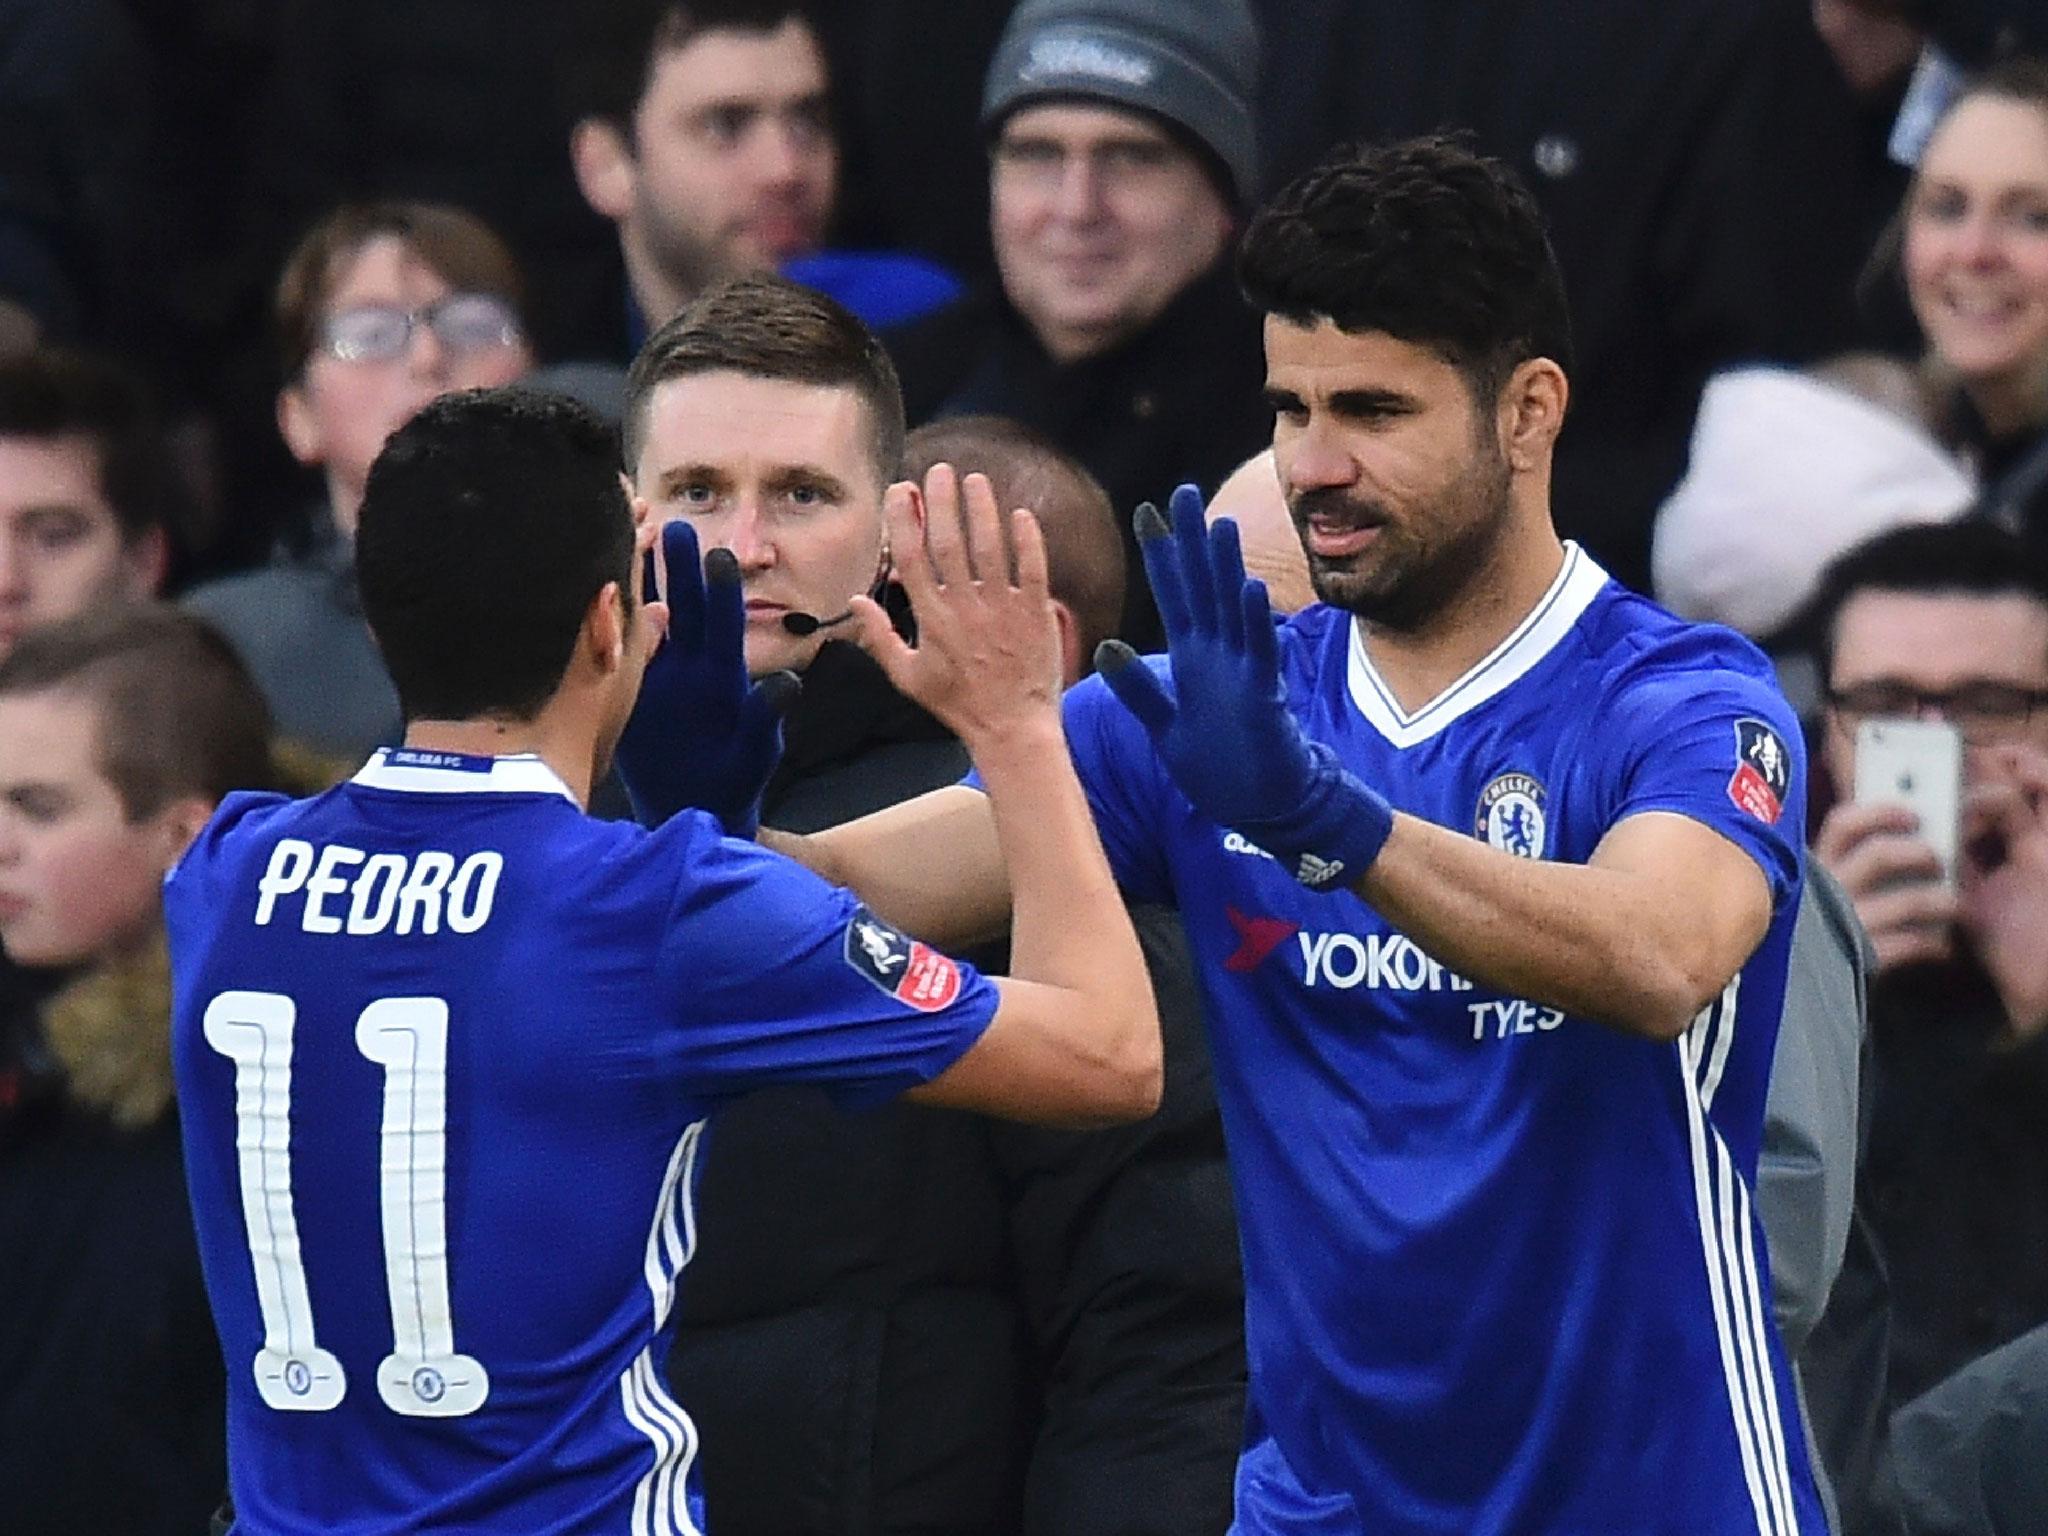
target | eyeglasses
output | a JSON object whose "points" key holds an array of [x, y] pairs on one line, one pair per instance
{"points": [[381, 333], [1041, 164], [1978, 710]]}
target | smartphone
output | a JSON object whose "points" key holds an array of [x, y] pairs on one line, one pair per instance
{"points": [[1917, 764]]}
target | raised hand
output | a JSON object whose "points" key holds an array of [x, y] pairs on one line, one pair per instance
{"points": [[1224, 731], [987, 656], [702, 735], [1892, 876]]}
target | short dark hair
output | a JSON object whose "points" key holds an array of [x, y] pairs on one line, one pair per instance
{"points": [[464, 251], [2016, 77], [1424, 240], [490, 522], [612, 47], [179, 714], [768, 327], [1972, 558], [1084, 551], [50, 394]]}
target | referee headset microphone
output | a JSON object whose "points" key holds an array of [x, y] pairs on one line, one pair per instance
{"points": [[801, 624]]}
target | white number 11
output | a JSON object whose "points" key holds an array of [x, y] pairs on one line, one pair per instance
{"points": [[423, 1376]]}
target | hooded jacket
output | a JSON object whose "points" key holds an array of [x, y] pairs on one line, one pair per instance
{"points": [[112, 1395]]}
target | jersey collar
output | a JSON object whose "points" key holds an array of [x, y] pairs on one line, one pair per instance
{"points": [[450, 773], [1578, 582]]}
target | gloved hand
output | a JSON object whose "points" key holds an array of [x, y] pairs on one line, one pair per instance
{"points": [[1225, 733], [701, 735]]}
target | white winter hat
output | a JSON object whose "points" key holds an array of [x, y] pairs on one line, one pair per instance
{"points": [[1788, 472]]}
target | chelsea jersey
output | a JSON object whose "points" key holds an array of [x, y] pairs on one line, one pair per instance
{"points": [[1502, 1265], [446, 1050]]}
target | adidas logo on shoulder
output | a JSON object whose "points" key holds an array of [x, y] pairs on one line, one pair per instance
{"points": [[1237, 842], [1317, 873]]}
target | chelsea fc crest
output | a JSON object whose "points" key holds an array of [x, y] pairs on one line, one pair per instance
{"points": [[1511, 815]]}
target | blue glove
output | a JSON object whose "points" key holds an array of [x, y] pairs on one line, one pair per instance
{"points": [[1225, 733], [701, 735]]}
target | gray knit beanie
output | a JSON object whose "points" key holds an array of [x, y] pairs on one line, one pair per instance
{"points": [[1193, 62]]}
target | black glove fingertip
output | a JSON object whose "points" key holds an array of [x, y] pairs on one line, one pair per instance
{"points": [[721, 567], [1148, 522], [1112, 656]]}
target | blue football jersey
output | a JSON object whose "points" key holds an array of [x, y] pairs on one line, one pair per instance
{"points": [[445, 1051], [1502, 1268]]}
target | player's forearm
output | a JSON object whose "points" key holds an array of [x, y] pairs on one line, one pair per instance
{"points": [[929, 865], [1069, 926], [1601, 943], [811, 850]]}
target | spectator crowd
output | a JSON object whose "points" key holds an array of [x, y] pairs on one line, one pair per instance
{"points": [[1805, 247]]}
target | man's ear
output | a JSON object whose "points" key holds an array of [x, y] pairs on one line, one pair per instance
{"points": [[1074, 661], [1531, 414], [886, 571], [605, 627], [606, 172], [146, 560], [178, 823], [300, 427]]}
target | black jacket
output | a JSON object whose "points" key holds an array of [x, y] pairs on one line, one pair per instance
{"points": [[1970, 1450], [1957, 1174], [1179, 401], [2012, 468], [113, 1412], [919, 1321], [852, 744]]}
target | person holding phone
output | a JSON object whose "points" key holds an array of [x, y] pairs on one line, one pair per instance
{"points": [[1947, 627], [1944, 627]]}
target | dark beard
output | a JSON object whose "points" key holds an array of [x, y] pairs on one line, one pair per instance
{"points": [[1414, 582]]}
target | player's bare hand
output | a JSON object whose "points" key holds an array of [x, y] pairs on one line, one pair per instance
{"points": [[987, 658], [2004, 877], [1892, 877], [654, 575]]}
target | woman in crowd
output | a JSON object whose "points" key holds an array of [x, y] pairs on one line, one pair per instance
{"points": [[1975, 257], [381, 308], [119, 732], [1790, 470]]}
